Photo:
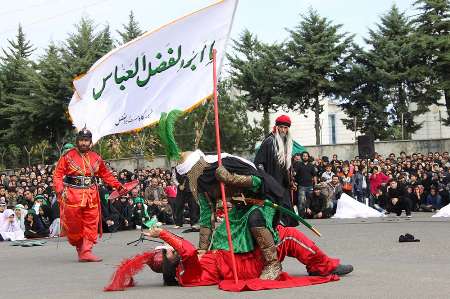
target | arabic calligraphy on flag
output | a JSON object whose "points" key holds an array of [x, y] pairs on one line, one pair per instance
{"points": [[165, 69]]}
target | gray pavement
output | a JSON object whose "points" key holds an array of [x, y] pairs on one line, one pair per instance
{"points": [[384, 268]]}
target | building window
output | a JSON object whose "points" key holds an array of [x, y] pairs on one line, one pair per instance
{"points": [[332, 126]]}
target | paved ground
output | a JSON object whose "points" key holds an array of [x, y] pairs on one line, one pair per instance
{"points": [[384, 268]]}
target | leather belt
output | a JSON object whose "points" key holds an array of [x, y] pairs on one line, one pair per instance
{"points": [[81, 182]]}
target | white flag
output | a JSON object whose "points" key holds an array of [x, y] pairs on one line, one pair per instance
{"points": [[168, 68]]}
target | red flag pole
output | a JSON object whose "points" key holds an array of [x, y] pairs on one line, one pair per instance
{"points": [[219, 161]]}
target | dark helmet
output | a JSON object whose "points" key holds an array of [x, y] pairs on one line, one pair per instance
{"points": [[84, 133]]}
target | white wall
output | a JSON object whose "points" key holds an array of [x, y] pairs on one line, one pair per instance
{"points": [[302, 127], [432, 127]]}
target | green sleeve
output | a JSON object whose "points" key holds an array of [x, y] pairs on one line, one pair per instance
{"points": [[205, 211], [256, 183]]}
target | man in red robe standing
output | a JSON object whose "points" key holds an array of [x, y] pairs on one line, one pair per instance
{"points": [[75, 183]]}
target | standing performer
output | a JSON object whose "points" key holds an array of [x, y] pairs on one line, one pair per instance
{"points": [[274, 156], [181, 265], [75, 183]]}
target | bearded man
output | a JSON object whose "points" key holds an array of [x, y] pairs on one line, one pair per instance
{"points": [[75, 182], [274, 156]]}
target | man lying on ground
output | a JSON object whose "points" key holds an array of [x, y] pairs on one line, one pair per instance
{"points": [[181, 265]]}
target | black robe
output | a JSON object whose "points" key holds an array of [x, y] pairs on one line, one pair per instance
{"points": [[270, 189], [266, 159]]}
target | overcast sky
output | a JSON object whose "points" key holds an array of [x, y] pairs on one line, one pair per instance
{"points": [[52, 20]]}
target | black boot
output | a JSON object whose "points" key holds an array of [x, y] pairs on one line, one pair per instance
{"points": [[342, 270]]}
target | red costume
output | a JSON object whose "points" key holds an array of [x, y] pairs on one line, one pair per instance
{"points": [[74, 182], [214, 267]]}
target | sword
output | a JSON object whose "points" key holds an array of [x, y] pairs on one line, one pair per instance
{"points": [[268, 203]]}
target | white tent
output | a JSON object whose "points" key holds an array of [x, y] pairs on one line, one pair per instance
{"points": [[347, 207], [444, 212]]}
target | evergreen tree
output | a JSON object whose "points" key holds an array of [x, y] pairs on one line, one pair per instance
{"points": [[15, 63], [393, 66], [314, 56], [50, 98], [254, 71], [84, 47], [364, 101], [431, 46], [130, 30]]}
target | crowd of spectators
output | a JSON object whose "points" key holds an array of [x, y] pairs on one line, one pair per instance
{"points": [[28, 192], [392, 184]]}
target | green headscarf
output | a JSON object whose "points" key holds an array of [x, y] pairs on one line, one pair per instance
{"points": [[138, 200]]}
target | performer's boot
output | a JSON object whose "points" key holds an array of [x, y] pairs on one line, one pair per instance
{"points": [[78, 247], [86, 252], [204, 238], [235, 180], [264, 239]]}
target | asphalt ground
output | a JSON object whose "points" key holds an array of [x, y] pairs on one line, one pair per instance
{"points": [[384, 268]]}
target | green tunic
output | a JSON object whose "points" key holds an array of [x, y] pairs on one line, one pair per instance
{"points": [[238, 216]]}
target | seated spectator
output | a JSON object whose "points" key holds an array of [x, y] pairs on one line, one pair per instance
{"points": [[20, 212], [110, 216], [432, 202], [139, 214], [34, 228], [154, 191], [397, 199], [379, 200], [417, 198], [161, 209], [328, 174], [316, 205], [10, 227], [28, 200], [48, 219], [124, 207], [2, 204]]}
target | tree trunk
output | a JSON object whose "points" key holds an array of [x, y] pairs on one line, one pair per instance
{"points": [[317, 120], [266, 121], [28, 155], [447, 105]]}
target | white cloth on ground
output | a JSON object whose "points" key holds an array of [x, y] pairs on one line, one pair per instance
{"points": [[347, 207], [443, 212]]}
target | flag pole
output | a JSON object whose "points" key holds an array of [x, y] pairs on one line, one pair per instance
{"points": [[219, 162]]}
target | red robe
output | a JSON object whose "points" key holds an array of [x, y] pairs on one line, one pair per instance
{"points": [[80, 207], [214, 267]]}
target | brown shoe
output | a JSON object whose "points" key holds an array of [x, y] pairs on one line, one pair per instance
{"points": [[272, 267]]}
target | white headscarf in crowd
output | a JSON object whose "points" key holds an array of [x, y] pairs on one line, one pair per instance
{"points": [[7, 226]]}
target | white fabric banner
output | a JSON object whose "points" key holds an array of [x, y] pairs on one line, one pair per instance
{"points": [[168, 68], [348, 207]]}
